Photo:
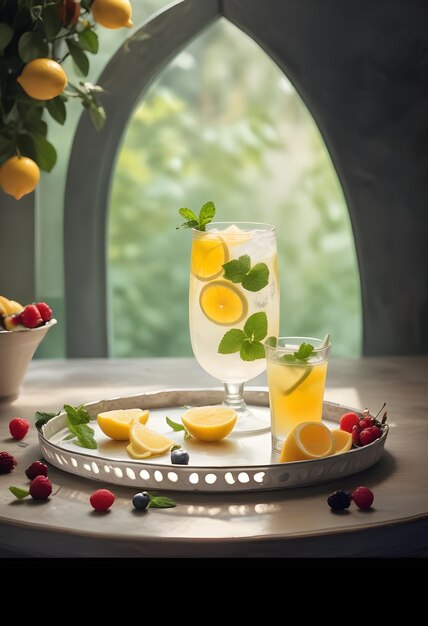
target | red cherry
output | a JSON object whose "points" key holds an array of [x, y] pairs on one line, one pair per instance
{"points": [[348, 420], [363, 497], [366, 422], [368, 435], [356, 430]]}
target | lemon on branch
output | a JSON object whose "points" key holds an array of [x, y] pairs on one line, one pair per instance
{"points": [[112, 13], [19, 176], [43, 79]]}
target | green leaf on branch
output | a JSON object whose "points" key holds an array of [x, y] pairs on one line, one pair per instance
{"points": [[56, 109], [51, 22], [79, 57], [32, 46], [46, 153], [98, 116], [89, 40], [6, 36]]}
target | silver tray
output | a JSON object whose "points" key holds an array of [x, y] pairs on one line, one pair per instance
{"points": [[238, 463]]}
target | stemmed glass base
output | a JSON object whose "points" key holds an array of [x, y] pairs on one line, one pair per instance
{"points": [[246, 423]]}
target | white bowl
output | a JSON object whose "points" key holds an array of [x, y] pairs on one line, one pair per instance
{"points": [[16, 351]]}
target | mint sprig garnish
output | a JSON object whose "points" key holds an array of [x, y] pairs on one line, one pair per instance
{"points": [[176, 427], [302, 355], [160, 502], [248, 342], [77, 423], [251, 278], [19, 493], [206, 215], [43, 418]]}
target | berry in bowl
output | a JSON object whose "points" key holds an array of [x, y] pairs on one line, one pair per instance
{"points": [[22, 329]]}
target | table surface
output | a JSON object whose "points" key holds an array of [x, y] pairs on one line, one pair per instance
{"points": [[291, 522]]}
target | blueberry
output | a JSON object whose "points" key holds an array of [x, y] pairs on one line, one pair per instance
{"points": [[180, 457], [339, 500], [141, 500]]}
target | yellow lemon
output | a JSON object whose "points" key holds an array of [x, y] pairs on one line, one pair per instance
{"points": [[144, 440], [209, 423], [112, 13], [19, 176], [342, 439], [208, 256], [43, 79], [223, 303], [9, 307], [116, 424], [309, 440]]}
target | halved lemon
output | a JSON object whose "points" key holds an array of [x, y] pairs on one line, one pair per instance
{"points": [[116, 424], [209, 423], [223, 303], [146, 442], [309, 440], [342, 439], [209, 253]]}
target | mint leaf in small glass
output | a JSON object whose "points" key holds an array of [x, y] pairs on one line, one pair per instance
{"points": [[19, 493], [252, 350], [232, 341], [237, 269], [257, 278], [271, 341], [256, 326], [301, 355], [206, 215]]}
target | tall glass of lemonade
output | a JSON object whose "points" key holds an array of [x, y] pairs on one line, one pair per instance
{"points": [[296, 370], [234, 306]]}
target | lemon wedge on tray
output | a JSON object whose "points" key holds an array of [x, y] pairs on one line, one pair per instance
{"points": [[116, 424], [145, 442]]}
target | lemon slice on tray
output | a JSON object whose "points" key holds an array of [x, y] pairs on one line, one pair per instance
{"points": [[145, 442], [209, 253], [116, 424], [209, 423], [309, 440], [223, 303], [342, 439]]}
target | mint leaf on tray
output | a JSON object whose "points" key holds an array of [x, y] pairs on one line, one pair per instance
{"points": [[77, 423]]}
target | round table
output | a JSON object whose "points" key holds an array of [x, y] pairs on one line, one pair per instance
{"points": [[291, 522]]}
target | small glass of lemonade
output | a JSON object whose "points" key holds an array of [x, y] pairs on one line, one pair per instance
{"points": [[296, 371]]}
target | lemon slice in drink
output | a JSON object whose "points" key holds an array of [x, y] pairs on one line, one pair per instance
{"points": [[145, 442], [209, 253], [209, 423], [342, 439], [309, 440], [116, 424], [223, 303]]}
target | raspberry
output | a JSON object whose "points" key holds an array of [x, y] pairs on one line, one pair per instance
{"points": [[368, 435], [363, 497], [102, 499], [339, 500], [7, 462], [40, 488], [45, 311], [348, 420], [36, 469], [19, 427], [356, 435], [30, 316]]}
